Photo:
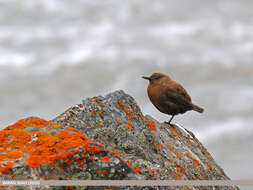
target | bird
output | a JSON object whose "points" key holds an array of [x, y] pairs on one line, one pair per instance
{"points": [[168, 96]]}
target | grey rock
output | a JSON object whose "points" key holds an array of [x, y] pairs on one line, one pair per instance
{"points": [[138, 147]]}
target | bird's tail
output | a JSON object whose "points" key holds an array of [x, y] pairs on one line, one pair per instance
{"points": [[197, 108]]}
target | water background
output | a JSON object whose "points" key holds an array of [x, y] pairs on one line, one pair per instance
{"points": [[54, 53]]}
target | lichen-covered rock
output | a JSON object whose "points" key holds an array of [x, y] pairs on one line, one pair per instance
{"points": [[34, 149], [105, 138]]}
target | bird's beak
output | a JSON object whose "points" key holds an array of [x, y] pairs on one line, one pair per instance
{"points": [[147, 78]]}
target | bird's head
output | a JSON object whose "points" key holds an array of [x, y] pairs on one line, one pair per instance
{"points": [[156, 77]]}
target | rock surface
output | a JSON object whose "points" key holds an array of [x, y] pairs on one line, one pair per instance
{"points": [[105, 138]]}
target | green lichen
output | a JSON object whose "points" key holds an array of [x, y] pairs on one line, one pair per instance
{"points": [[82, 176]]}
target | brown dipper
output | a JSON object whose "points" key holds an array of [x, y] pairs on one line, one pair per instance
{"points": [[168, 96]]}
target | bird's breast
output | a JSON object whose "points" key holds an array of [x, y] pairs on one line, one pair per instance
{"points": [[156, 96]]}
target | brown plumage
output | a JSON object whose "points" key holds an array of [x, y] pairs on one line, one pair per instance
{"points": [[168, 96]]}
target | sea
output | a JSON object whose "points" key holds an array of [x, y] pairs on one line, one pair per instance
{"points": [[55, 53]]}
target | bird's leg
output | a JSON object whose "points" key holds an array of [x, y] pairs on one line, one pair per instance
{"points": [[170, 119]]}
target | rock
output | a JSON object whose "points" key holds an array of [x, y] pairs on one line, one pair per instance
{"points": [[105, 138]]}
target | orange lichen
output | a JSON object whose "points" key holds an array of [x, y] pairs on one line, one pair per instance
{"points": [[180, 171], [169, 160], [151, 125], [103, 172], [207, 153], [119, 122], [174, 131], [150, 172], [177, 176], [100, 112], [105, 159], [94, 150], [210, 166], [174, 151], [187, 155], [72, 129], [69, 187], [127, 111], [38, 123], [80, 163], [40, 146], [120, 103], [100, 125], [115, 153], [137, 170], [32, 122], [6, 167], [92, 113], [142, 118], [129, 162], [195, 162], [103, 105], [35, 161], [13, 155], [56, 125], [94, 100], [129, 127], [135, 116], [181, 168], [129, 121]]}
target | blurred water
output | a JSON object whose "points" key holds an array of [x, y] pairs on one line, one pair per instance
{"points": [[53, 53]]}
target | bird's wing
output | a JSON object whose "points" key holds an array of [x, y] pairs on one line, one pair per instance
{"points": [[177, 97], [183, 92]]}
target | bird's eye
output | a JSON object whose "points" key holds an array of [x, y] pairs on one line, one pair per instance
{"points": [[156, 77]]}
